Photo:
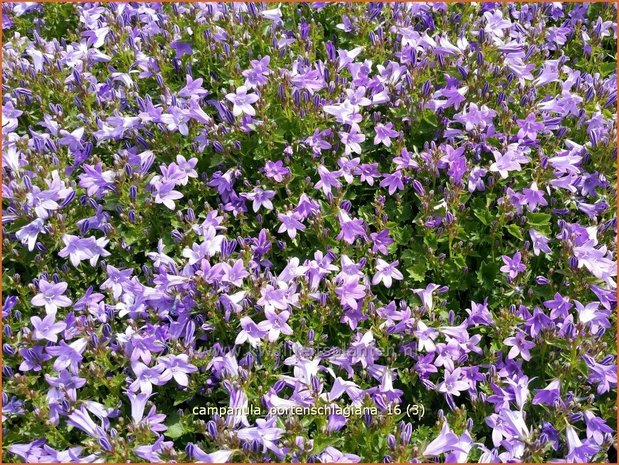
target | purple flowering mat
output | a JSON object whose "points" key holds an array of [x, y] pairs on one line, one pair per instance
{"points": [[309, 232]]}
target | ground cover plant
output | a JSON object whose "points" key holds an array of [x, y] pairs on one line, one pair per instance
{"points": [[309, 232]]}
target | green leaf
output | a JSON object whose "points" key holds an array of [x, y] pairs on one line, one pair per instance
{"points": [[430, 118], [430, 240], [487, 272], [322, 442], [607, 68], [417, 272], [182, 396], [176, 428], [539, 221], [515, 231], [175, 431], [401, 235], [484, 216]]}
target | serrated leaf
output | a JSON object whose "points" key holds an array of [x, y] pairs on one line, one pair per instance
{"points": [[417, 272], [515, 231], [539, 221], [322, 442], [487, 272], [175, 431], [484, 216]]}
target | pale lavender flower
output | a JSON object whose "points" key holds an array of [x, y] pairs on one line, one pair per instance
{"points": [[275, 324], [604, 375], [260, 198], [511, 160], [350, 291], [593, 316], [199, 456], [386, 272], [51, 296], [426, 295], [384, 133], [177, 367], [272, 297], [43, 201], [529, 127], [350, 228], [64, 385], [513, 266], [33, 359], [549, 394], [532, 197], [116, 279], [475, 181], [393, 181], [276, 170], [145, 377], [264, 433], [328, 179], [348, 168], [236, 273], [96, 181], [250, 332], [187, 167], [176, 120], [274, 14], [380, 241], [242, 101], [474, 117], [306, 207], [453, 383], [596, 260], [519, 346], [539, 242], [165, 194], [579, 451], [446, 441], [333, 455], [425, 337], [138, 404], [29, 233], [345, 113], [80, 419], [78, 249], [597, 429], [47, 328], [290, 224], [318, 268], [68, 355], [193, 88], [368, 172], [152, 452], [352, 140]]}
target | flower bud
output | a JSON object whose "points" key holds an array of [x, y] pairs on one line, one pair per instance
{"points": [[218, 147], [177, 236], [426, 89], [418, 188], [211, 428], [331, 53], [391, 441], [105, 444], [573, 263], [8, 350]]}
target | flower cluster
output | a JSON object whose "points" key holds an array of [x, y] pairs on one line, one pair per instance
{"points": [[401, 211]]}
